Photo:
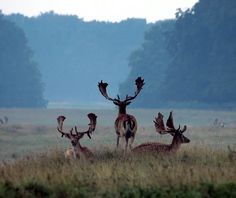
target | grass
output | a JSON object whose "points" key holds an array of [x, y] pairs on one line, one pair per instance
{"points": [[191, 170], [33, 164]]}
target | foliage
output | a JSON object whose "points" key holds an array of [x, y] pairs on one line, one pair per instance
{"points": [[203, 46], [87, 52], [198, 59], [150, 62], [206, 190], [20, 79]]}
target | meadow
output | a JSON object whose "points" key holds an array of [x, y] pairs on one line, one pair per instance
{"points": [[33, 164]]}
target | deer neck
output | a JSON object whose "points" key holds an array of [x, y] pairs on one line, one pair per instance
{"points": [[175, 145], [122, 110], [77, 149]]}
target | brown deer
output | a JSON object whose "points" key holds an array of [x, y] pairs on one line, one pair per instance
{"points": [[125, 124], [178, 137], [77, 151]]}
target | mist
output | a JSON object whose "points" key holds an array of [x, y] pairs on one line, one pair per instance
{"points": [[187, 62]]}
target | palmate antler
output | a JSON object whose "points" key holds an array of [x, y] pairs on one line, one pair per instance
{"points": [[139, 85], [170, 128], [103, 89], [92, 125]]}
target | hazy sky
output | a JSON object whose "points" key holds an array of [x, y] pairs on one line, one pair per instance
{"points": [[102, 10]]}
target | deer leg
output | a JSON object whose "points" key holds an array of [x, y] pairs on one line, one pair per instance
{"points": [[117, 141], [131, 141], [122, 142], [126, 143]]}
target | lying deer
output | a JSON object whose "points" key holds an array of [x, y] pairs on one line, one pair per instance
{"points": [[178, 137], [77, 151], [125, 124]]}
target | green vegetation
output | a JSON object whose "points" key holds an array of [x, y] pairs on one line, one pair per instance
{"points": [[189, 62], [20, 79], [193, 172]]}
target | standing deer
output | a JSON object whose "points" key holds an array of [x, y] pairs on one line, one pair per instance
{"points": [[178, 137], [125, 124], [77, 151]]}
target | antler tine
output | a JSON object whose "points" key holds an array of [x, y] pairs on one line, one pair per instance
{"points": [[159, 124], [170, 122], [184, 129], [92, 125], [139, 85], [71, 132], [60, 131], [103, 89], [81, 133]]}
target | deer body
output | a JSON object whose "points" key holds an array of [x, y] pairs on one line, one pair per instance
{"points": [[126, 128], [77, 151], [156, 147], [125, 124]]}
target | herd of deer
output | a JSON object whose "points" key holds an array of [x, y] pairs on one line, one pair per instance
{"points": [[125, 127]]}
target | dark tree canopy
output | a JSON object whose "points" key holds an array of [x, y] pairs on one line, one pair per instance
{"points": [[203, 46], [202, 64], [20, 79]]}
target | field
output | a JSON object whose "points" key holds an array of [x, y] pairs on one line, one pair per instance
{"points": [[33, 164]]}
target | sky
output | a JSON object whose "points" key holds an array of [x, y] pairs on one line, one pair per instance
{"points": [[100, 10]]}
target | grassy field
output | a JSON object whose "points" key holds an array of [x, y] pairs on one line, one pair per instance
{"points": [[33, 165]]}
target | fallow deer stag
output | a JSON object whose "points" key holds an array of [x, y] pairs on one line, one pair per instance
{"points": [[125, 124], [77, 151], [178, 137]]}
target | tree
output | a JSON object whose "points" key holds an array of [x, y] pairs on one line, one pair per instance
{"points": [[150, 62], [20, 79], [198, 61], [203, 47]]}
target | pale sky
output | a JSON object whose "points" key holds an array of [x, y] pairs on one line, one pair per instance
{"points": [[101, 10]]}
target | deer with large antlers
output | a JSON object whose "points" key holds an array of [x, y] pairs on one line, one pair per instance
{"points": [[77, 151], [178, 137], [125, 124]]}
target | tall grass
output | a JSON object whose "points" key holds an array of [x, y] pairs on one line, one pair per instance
{"points": [[33, 165], [109, 172]]}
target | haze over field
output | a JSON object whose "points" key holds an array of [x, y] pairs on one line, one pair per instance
{"points": [[66, 54], [65, 65]]}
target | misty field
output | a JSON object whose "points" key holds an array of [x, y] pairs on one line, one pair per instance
{"points": [[33, 164]]}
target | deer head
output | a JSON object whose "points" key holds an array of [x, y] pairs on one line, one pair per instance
{"points": [[117, 101], [170, 128], [75, 137]]}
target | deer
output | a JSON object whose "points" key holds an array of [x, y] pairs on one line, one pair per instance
{"points": [[77, 151], [125, 124], [178, 137]]}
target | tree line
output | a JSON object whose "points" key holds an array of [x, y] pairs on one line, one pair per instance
{"points": [[186, 62], [20, 80], [73, 55], [189, 61]]}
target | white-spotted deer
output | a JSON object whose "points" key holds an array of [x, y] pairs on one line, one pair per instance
{"points": [[178, 137], [77, 151], [125, 124]]}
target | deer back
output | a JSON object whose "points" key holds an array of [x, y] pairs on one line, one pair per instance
{"points": [[125, 122]]}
